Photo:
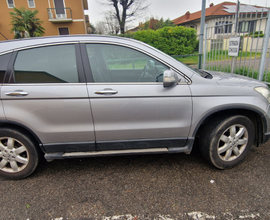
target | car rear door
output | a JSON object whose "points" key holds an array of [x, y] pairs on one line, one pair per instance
{"points": [[4, 60], [130, 106], [45, 91]]}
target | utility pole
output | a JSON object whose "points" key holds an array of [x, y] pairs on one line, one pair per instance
{"points": [[235, 33], [201, 35]]}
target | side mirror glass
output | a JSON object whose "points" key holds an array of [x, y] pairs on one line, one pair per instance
{"points": [[169, 78]]}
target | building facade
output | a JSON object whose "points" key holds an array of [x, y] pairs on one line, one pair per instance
{"points": [[221, 16], [59, 17]]}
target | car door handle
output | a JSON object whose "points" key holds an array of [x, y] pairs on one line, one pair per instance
{"points": [[17, 93], [106, 91]]}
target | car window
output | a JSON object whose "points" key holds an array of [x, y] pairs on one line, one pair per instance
{"points": [[50, 64], [4, 59], [114, 63]]}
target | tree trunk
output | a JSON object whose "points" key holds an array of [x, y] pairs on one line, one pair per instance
{"points": [[122, 28], [129, 9]]}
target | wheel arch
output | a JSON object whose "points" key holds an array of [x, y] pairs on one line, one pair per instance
{"points": [[255, 115], [23, 129]]}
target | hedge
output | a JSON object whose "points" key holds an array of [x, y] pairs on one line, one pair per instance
{"points": [[256, 34], [171, 40]]}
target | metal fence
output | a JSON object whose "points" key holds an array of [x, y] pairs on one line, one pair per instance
{"points": [[253, 58]]}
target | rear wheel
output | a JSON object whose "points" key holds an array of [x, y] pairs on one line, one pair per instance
{"points": [[228, 142], [18, 155]]}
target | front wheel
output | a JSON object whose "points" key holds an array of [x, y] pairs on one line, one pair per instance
{"points": [[226, 142], [18, 155]]}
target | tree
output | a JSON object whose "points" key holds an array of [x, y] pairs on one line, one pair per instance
{"points": [[112, 24], [93, 29], [25, 23], [101, 28], [126, 10], [155, 24], [108, 26]]}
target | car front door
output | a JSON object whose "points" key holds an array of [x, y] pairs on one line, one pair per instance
{"points": [[130, 106], [45, 91]]}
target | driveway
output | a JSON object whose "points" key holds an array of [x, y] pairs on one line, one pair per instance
{"points": [[176, 186]]}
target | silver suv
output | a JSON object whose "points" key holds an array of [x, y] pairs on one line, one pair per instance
{"points": [[88, 96]]}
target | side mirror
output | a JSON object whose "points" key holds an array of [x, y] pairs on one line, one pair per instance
{"points": [[169, 78]]}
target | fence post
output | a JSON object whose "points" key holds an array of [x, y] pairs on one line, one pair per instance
{"points": [[201, 34], [234, 59], [265, 45], [205, 46]]}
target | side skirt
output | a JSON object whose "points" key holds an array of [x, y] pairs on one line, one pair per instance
{"points": [[141, 144], [61, 155]]}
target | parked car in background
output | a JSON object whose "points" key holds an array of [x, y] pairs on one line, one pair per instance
{"points": [[87, 96]]}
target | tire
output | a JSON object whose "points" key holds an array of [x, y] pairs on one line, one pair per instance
{"points": [[226, 141], [18, 155]]}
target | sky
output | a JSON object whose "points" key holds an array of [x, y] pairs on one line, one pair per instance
{"points": [[166, 8]]}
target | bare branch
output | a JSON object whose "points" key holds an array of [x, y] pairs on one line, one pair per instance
{"points": [[126, 10]]}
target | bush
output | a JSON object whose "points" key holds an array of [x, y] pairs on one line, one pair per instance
{"points": [[256, 34], [171, 40]]}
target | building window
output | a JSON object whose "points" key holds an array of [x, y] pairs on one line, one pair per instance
{"points": [[223, 27], [247, 26], [10, 3], [63, 31], [31, 3], [60, 8]]}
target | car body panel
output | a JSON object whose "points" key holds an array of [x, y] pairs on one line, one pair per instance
{"points": [[223, 92], [141, 112], [56, 113], [2, 114]]}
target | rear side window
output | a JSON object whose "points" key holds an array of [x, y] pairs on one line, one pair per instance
{"points": [[51, 64], [4, 59]]}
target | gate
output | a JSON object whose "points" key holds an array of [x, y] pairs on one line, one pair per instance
{"points": [[253, 59]]}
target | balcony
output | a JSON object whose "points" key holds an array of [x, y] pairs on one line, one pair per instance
{"points": [[57, 15]]}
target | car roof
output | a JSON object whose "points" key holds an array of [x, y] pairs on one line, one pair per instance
{"points": [[10, 45]]}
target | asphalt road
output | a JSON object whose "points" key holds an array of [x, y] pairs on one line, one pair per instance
{"points": [[176, 186]]}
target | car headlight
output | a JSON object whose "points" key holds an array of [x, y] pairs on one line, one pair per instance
{"points": [[264, 92]]}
